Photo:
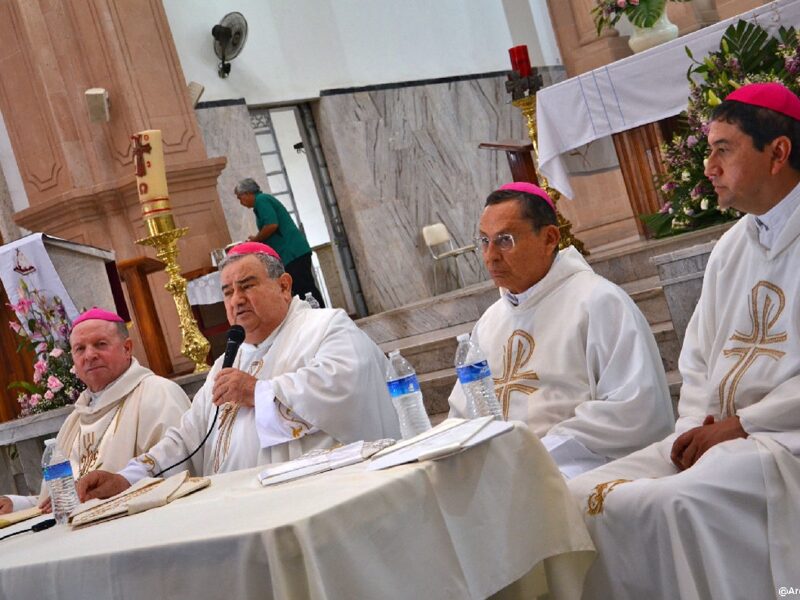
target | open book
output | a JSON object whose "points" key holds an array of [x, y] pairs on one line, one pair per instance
{"points": [[143, 495]]}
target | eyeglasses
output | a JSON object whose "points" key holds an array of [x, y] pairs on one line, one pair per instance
{"points": [[503, 241]]}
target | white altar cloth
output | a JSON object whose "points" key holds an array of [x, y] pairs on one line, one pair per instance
{"points": [[205, 290], [461, 527], [640, 89]]}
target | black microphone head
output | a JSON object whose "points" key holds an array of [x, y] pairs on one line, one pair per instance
{"points": [[235, 338], [236, 334]]}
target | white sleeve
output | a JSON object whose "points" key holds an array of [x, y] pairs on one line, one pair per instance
{"points": [[572, 457], [630, 406], [134, 471], [276, 423], [22, 502]]}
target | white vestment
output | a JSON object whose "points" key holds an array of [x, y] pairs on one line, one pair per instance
{"points": [[327, 377], [108, 429], [727, 527], [577, 362]]}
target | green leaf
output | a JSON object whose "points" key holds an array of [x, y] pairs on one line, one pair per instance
{"points": [[24, 385], [646, 13]]}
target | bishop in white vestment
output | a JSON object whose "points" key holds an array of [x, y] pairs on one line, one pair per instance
{"points": [[571, 354], [304, 379], [712, 511], [125, 409]]}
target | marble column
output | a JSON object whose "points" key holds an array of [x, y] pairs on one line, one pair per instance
{"points": [[78, 175]]}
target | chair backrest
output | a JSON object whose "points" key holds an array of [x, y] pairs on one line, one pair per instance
{"points": [[435, 234]]}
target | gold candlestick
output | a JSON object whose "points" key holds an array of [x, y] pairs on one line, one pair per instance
{"points": [[527, 104], [151, 183]]}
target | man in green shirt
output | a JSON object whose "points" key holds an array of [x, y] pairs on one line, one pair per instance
{"points": [[277, 229]]}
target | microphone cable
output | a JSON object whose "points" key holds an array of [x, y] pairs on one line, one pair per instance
{"points": [[46, 524], [236, 336]]}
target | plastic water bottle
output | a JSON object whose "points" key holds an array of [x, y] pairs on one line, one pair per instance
{"points": [[476, 380], [58, 475], [401, 379], [312, 302]]}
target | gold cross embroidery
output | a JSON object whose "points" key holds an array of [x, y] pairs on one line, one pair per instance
{"points": [[519, 350], [89, 456], [763, 318], [228, 414]]}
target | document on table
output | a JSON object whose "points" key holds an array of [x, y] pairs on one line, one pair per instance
{"points": [[449, 437], [19, 516], [319, 461], [143, 495]]}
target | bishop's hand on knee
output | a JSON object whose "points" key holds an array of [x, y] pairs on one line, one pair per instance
{"points": [[101, 484], [691, 445]]}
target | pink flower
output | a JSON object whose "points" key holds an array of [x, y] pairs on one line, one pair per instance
{"points": [[622, 3], [56, 352], [54, 383], [15, 326], [41, 347], [72, 370], [34, 400], [23, 307], [40, 366], [48, 395]]}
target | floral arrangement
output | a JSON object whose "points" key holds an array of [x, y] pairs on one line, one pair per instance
{"points": [[641, 13], [747, 54], [47, 334]]}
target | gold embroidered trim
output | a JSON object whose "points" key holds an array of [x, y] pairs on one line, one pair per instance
{"points": [[148, 461], [597, 499], [89, 451], [289, 415], [762, 319], [227, 417], [518, 352]]}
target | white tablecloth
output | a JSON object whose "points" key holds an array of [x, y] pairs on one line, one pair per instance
{"points": [[462, 527], [634, 91], [205, 289]]}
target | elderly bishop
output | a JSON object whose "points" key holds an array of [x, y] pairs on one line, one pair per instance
{"points": [[304, 379]]}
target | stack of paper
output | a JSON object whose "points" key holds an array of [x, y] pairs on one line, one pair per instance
{"points": [[321, 461], [449, 437]]}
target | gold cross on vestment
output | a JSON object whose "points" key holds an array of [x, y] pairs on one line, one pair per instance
{"points": [[519, 350], [763, 317]]}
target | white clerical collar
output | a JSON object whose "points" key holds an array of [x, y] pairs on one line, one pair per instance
{"points": [[771, 223], [522, 297], [95, 396]]}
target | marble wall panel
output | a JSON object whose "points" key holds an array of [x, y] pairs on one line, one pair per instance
{"points": [[405, 157], [227, 132]]}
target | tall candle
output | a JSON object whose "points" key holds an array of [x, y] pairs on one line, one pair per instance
{"points": [[520, 61], [151, 178]]}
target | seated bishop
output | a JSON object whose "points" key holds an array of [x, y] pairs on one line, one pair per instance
{"points": [[571, 354], [711, 511], [303, 379], [124, 410]]}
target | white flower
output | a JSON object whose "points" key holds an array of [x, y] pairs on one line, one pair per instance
{"points": [[704, 204], [688, 211], [686, 176], [671, 210]]}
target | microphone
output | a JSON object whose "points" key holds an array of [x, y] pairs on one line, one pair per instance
{"points": [[235, 338]]}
